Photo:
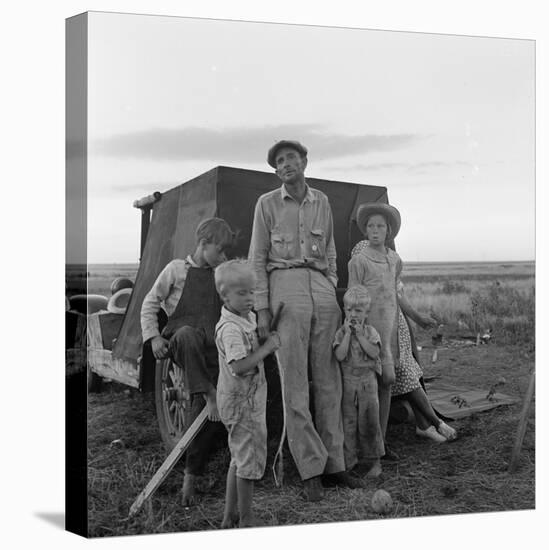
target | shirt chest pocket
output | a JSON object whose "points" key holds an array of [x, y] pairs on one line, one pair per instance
{"points": [[283, 245], [318, 243]]}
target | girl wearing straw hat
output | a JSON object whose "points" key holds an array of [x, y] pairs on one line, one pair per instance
{"points": [[378, 267]]}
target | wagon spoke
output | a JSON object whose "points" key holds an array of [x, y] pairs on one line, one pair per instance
{"points": [[177, 376], [178, 419], [181, 418], [174, 420], [174, 404]]}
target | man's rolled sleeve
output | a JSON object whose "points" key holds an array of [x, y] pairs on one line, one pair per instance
{"points": [[259, 251]]}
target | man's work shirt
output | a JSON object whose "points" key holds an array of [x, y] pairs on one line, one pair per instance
{"points": [[286, 234], [165, 293]]}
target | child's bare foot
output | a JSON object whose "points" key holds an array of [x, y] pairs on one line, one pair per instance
{"points": [[229, 522], [375, 470], [448, 432], [188, 498]]}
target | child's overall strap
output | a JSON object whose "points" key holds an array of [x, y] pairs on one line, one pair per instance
{"points": [[199, 305]]}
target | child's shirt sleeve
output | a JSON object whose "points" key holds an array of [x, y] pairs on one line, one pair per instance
{"points": [[232, 344], [154, 299]]}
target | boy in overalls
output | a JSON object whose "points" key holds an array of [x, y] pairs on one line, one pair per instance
{"points": [[357, 347], [185, 289], [242, 388]]}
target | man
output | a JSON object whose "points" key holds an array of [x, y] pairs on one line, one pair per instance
{"points": [[293, 252]]}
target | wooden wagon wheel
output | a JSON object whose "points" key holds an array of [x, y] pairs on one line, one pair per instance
{"points": [[172, 402]]}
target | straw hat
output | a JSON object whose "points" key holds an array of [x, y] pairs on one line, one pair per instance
{"points": [[368, 209], [119, 301]]}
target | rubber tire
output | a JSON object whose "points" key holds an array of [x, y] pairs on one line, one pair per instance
{"points": [[168, 431]]}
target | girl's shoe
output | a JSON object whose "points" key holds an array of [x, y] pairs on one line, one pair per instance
{"points": [[431, 433], [445, 430]]}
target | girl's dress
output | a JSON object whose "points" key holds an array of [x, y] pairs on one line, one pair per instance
{"points": [[380, 274], [407, 370]]}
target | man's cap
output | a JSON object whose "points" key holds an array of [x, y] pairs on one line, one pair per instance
{"points": [[368, 209], [271, 155]]}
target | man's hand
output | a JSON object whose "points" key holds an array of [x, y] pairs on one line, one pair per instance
{"points": [[211, 405], [273, 342], [159, 347], [264, 319]]}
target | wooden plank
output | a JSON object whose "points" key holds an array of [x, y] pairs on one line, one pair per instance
{"points": [[170, 462], [519, 438]]}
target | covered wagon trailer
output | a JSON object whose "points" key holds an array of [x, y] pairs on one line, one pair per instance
{"points": [[231, 194]]}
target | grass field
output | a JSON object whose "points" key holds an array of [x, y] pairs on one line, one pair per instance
{"points": [[490, 295], [468, 475]]}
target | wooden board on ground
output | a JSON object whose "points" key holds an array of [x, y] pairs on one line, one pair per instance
{"points": [[458, 402], [170, 462]]}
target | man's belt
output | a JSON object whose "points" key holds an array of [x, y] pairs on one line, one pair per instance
{"points": [[302, 266]]}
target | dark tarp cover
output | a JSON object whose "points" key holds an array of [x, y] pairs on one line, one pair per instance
{"points": [[229, 193]]}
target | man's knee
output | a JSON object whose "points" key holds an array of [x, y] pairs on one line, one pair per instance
{"points": [[185, 343], [187, 331], [185, 335]]}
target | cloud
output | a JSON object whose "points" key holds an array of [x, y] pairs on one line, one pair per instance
{"points": [[242, 144], [146, 187], [130, 189], [412, 167], [370, 167]]}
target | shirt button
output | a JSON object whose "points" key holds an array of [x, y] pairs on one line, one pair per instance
{"points": [[315, 247]]}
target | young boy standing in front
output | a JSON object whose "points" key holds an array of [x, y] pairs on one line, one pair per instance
{"points": [[241, 388], [185, 289], [357, 348]]}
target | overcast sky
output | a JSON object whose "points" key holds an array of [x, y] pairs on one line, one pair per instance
{"points": [[446, 123]]}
